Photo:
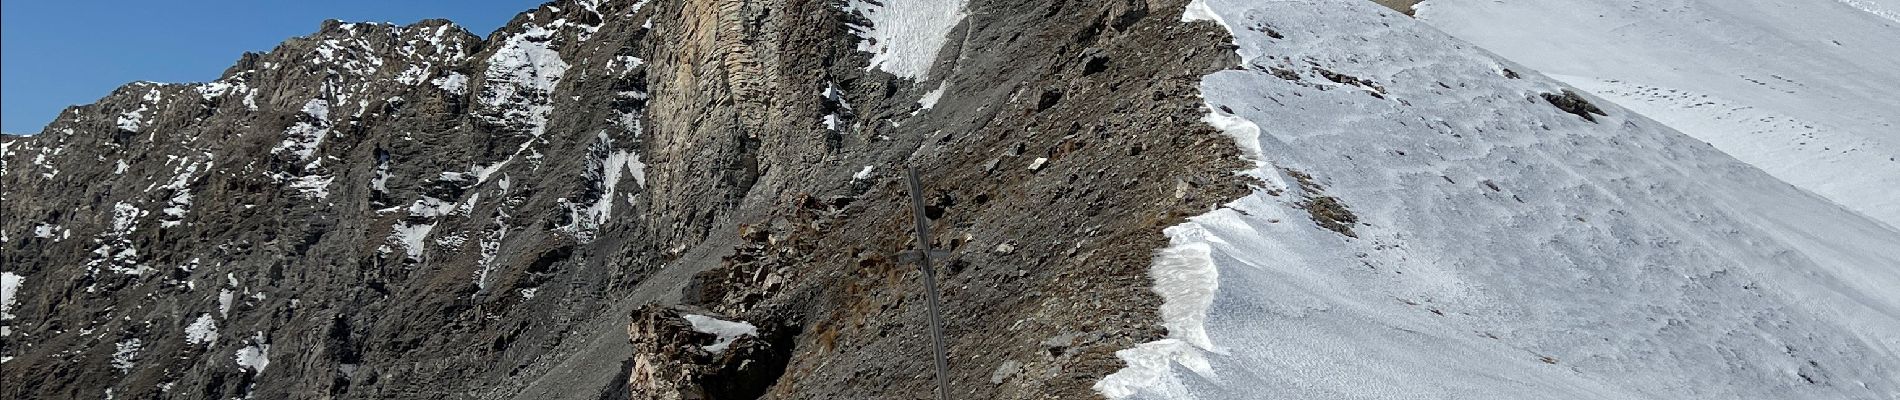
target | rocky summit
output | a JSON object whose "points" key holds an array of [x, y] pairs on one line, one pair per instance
{"points": [[706, 199]]}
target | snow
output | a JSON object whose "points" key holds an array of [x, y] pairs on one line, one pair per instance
{"points": [[412, 233], [1801, 90], [45, 230], [904, 36], [1198, 10], [131, 121], [1810, 154], [430, 207], [483, 172], [491, 247], [412, 237], [126, 354], [632, 162], [622, 65], [125, 217], [303, 137], [586, 30], [116, 251], [134, 120], [521, 75], [201, 331], [605, 163], [312, 186], [1504, 249], [413, 75], [930, 98], [452, 241], [180, 202], [863, 173], [380, 182], [727, 331], [834, 100], [1150, 369], [1186, 279], [41, 160], [225, 296], [1871, 7], [317, 108], [9, 293], [213, 90], [357, 57], [468, 205], [517, 88], [6, 152], [1036, 164], [453, 83], [438, 40], [255, 356]]}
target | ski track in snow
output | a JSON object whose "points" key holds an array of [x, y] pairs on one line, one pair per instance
{"points": [[1507, 249]]}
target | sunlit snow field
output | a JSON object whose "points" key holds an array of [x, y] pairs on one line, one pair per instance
{"points": [[1506, 249]]}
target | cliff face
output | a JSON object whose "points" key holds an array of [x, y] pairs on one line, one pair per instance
{"points": [[378, 211]]}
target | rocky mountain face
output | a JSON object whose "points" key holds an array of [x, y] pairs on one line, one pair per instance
{"points": [[380, 211]]}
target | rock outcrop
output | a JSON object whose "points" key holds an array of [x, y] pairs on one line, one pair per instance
{"points": [[678, 355]]}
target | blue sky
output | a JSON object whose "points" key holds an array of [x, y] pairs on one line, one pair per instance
{"points": [[57, 53]]}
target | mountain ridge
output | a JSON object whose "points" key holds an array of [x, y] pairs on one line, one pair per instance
{"points": [[670, 199]]}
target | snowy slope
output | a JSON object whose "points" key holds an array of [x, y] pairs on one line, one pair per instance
{"points": [[1880, 8], [1504, 249], [1801, 89], [903, 36]]}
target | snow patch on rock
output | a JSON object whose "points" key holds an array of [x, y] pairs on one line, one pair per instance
{"points": [[256, 355], [302, 138], [10, 283], [454, 83], [412, 237], [125, 355], [520, 77], [605, 164], [116, 252], [904, 36], [203, 330], [727, 331]]}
